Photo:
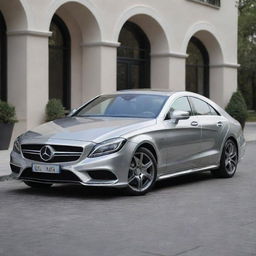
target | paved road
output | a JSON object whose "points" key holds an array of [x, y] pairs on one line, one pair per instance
{"points": [[4, 163], [250, 131], [195, 215]]}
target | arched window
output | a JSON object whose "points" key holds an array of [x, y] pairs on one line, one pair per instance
{"points": [[133, 58], [59, 62], [197, 68], [3, 60]]}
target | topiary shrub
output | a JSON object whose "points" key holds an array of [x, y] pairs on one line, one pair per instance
{"points": [[54, 110], [237, 108], [7, 113]]}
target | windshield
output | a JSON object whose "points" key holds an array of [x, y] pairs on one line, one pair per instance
{"points": [[124, 105]]}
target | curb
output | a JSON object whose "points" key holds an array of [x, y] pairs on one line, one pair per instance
{"points": [[6, 177]]}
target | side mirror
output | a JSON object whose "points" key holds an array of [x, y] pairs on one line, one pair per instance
{"points": [[72, 112], [178, 115]]}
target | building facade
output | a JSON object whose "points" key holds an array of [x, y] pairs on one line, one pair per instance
{"points": [[75, 50]]}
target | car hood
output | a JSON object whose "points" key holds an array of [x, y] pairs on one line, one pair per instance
{"points": [[86, 129]]}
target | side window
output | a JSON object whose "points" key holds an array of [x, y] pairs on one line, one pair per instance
{"points": [[181, 104], [213, 111], [201, 108]]}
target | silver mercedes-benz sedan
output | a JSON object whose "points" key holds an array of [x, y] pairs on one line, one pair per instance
{"points": [[130, 139]]}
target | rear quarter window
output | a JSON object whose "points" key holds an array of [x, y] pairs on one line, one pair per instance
{"points": [[202, 108]]}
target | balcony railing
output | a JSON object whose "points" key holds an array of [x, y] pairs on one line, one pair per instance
{"points": [[215, 3]]}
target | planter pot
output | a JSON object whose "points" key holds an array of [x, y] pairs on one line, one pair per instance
{"points": [[5, 135]]}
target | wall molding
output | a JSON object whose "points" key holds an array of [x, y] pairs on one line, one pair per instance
{"points": [[226, 65], [102, 44], [38, 33], [177, 55]]}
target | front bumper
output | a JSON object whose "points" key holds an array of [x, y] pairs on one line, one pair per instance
{"points": [[85, 171]]}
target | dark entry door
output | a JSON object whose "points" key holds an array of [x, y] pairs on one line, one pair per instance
{"points": [[197, 68], [131, 75], [133, 58], [3, 59], [59, 62]]}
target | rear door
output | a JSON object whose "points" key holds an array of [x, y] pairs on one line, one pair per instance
{"points": [[214, 127]]}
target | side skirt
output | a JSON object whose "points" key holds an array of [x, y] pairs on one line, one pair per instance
{"points": [[176, 174]]}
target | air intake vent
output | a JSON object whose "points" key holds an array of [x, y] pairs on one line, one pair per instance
{"points": [[63, 177], [15, 168], [102, 175]]}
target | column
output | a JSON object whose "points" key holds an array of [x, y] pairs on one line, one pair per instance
{"points": [[168, 71], [223, 82], [99, 69], [28, 77]]}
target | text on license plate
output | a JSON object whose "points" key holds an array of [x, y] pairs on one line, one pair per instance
{"points": [[46, 168]]}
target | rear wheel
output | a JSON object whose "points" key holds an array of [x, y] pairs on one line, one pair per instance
{"points": [[228, 162], [37, 185], [142, 172]]}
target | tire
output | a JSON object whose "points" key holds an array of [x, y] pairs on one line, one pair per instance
{"points": [[37, 185], [142, 172], [228, 162]]}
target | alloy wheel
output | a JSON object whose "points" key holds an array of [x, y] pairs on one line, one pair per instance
{"points": [[230, 157], [141, 172]]}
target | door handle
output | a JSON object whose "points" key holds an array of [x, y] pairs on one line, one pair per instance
{"points": [[219, 124], [194, 123]]}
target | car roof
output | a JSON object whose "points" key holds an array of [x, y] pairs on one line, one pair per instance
{"points": [[147, 91], [169, 93], [163, 92]]}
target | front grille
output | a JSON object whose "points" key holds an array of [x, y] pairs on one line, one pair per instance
{"points": [[60, 153], [63, 177]]}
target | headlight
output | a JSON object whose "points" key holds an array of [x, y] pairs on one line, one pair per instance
{"points": [[16, 146], [107, 147]]}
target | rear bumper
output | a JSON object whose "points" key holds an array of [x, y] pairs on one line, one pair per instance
{"points": [[108, 171]]}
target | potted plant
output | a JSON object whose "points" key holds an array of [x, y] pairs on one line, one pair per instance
{"points": [[7, 120], [54, 110]]}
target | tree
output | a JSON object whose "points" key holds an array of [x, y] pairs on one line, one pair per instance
{"points": [[237, 108], [247, 51]]}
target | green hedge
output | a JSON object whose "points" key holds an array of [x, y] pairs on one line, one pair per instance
{"points": [[237, 108], [7, 113], [54, 110]]}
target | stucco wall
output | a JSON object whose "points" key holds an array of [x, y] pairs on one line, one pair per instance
{"points": [[94, 27]]}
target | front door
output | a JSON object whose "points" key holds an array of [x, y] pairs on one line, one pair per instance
{"points": [[182, 140]]}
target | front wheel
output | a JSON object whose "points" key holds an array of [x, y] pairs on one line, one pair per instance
{"points": [[142, 172], [228, 162], [37, 185]]}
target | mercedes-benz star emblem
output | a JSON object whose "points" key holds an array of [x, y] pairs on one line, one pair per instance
{"points": [[46, 153]]}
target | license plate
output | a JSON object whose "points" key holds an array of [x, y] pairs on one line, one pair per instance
{"points": [[46, 168]]}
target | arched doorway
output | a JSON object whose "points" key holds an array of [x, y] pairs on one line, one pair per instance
{"points": [[3, 60], [59, 62], [197, 68], [133, 58]]}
